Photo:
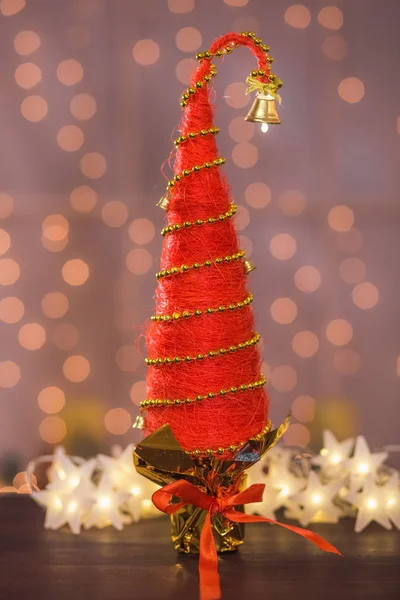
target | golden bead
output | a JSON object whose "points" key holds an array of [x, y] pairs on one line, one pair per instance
{"points": [[200, 56], [218, 261], [254, 73], [210, 220], [211, 354], [199, 398], [270, 59], [207, 78], [220, 450], [203, 132], [184, 268], [186, 314], [178, 177], [207, 54], [208, 263], [191, 135], [229, 49], [251, 34], [233, 389], [197, 452], [197, 168], [187, 224], [209, 452], [207, 165], [209, 311], [199, 84], [196, 265], [185, 96], [200, 356], [197, 313], [186, 172], [191, 90], [221, 308], [232, 448], [177, 402], [188, 358], [222, 393], [218, 54], [265, 48]]}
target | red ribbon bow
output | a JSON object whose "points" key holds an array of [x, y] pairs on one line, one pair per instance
{"points": [[208, 564]]}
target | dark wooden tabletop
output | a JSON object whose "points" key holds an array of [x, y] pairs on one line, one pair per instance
{"points": [[140, 564]]}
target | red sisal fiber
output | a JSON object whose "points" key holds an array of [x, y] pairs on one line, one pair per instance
{"points": [[234, 417]]}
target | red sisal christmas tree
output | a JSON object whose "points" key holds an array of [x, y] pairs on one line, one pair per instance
{"points": [[204, 376]]}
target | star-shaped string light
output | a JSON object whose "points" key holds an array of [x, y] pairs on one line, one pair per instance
{"points": [[315, 502], [333, 457], [363, 463], [65, 474], [105, 508], [373, 504], [65, 506]]}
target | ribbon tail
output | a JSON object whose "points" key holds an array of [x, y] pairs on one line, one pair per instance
{"points": [[210, 588], [316, 539]]}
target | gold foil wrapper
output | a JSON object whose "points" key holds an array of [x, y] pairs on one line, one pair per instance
{"points": [[160, 458]]}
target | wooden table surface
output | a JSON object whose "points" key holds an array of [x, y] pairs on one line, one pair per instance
{"points": [[140, 564]]}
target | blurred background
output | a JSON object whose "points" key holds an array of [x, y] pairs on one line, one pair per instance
{"points": [[89, 106]]}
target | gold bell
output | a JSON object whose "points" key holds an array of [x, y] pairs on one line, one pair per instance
{"points": [[163, 203], [264, 110], [249, 266]]}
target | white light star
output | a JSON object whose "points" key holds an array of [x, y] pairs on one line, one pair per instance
{"points": [[315, 502], [334, 455], [105, 509], [363, 463], [65, 507], [371, 503], [391, 493], [65, 474]]}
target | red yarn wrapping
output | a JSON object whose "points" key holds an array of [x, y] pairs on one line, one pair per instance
{"points": [[234, 417]]}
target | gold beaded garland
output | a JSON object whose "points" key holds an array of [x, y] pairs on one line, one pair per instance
{"points": [[211, 220], [206, 263], [186, 314], [157, 402], [232, 448], [192, 134], [156, 362], [186, 172]]}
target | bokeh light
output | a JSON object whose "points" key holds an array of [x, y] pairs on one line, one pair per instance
{"points": [[352, 270], [75, 272], [298, 16], [235, 95], [117, 421], [365, 295], [242, 218], [139, 261], [5, 241], [52, 430], [55, 228], [346, 361], [34, 108], [245, 155], [283, 246], [32, 336], [351, 90], [283, 310], [83, 199], [339, 332], [305, 344], [180, 6], [307, 279], [10, 374], [127, 358], [9, 271], [54, 246], [70, 138], [241, 130], [138, 392], [292, 202], [65, 336], [335, 47], [93, 165], [146, 52], [236, 3], [258, 195], [51, 400], [27, 75], [297, 435], [76, 368], [83, 107], [188, 39], [114, 213], [6, 205], [8, 8], [55, 305], [330, 17], [185, 69], [283, 378], [26, 42], [21, 480], [141, 231], [341, 218], [303, 408], [11, 309], [70, 72]]}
